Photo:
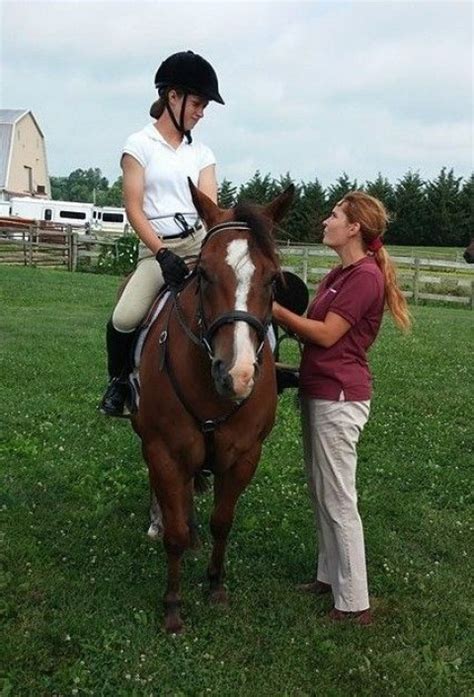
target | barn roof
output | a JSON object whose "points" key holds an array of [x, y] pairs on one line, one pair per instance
{"points": [[8, 119]]}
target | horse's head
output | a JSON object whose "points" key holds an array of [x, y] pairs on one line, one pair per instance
{"points": [[469, 252], [237, 267]]}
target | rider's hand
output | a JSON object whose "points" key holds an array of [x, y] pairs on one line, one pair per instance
{"points": [[173, 267]]}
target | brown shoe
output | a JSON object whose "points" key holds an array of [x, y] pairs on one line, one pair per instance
{"points": [[315, 587], [363, 617]]}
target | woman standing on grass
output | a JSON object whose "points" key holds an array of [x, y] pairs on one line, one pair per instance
{"points": [[156, 164], [342, 322]]}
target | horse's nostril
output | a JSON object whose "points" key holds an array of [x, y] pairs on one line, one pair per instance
{"points": [[218, 369]]}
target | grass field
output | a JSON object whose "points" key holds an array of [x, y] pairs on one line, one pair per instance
{"points": [[82, 584]]}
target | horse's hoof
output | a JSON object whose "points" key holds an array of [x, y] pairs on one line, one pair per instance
{"points": [[155, 532], [174, 625], [219, 597]]}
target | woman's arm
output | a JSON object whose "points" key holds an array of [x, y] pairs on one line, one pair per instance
{"points": [[324, 333], [133, 187], [207, 182]]}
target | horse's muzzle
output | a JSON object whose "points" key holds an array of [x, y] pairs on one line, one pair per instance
{"points": [[236, 387]]}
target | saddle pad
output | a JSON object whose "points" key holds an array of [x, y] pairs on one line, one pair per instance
{"points": [[142, 334]]}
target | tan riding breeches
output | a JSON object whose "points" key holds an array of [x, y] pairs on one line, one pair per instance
{"points": [[146, 281]]}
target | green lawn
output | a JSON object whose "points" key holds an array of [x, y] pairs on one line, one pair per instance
{"points": [[82, 584]]}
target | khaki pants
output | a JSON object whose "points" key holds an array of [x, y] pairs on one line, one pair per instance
{"points": [[331, 431], [146, 281]]}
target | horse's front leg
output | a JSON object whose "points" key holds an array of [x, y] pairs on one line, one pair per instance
{"points": [[227, 488], [170, 491]]}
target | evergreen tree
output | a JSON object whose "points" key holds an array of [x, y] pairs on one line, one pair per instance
{"points": [[383, 190], [227, 194], [258, 190], [466, 205], [444, 217], [290, 227], [309, 212], [410, 220], [338, 190]]}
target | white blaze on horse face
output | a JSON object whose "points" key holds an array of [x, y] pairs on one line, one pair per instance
{"points": [[243, 369]]}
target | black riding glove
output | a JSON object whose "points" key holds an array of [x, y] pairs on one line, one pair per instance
{"points": [[172, 266]]}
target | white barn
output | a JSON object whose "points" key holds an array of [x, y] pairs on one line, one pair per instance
{"points": [[23, 163]]}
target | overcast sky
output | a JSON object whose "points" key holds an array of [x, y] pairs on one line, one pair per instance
{"points": [[313, 88]]}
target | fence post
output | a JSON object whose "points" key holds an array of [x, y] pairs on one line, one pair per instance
{"points": [[23, 238], [30, 246], [74, 245], [416, 281], [68, 246], [305, 265]]}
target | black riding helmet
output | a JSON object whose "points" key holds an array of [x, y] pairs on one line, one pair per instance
{"points": [[190, 73]]}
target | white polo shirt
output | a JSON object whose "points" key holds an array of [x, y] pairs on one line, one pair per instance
{"points": [[166, 172]]}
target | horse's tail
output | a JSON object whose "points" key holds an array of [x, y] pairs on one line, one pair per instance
{"points": [[202, 481]]}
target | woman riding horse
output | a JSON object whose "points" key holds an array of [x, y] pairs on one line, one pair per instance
{"points": [[156, 163]]}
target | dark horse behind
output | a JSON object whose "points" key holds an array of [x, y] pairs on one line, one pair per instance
{"points": [[208, 389], [469, 252]]}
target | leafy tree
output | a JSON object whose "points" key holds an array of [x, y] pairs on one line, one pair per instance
{"points": [[443, 204], [114, 196], [85, 185], [227, 194], [59, 188]]}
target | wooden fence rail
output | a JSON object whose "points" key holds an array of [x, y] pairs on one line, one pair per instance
{"points": [[66, 246]]}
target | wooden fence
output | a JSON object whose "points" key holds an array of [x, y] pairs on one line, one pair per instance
{"points": [[412, 273], [68, 246]]}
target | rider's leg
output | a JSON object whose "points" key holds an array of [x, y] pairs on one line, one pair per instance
{"points": [[129, 312]]}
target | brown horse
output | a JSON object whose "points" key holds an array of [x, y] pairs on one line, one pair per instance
{"points": [[469, 252], [208, 390]]}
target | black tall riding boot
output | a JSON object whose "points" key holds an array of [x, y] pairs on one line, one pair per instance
{"points": [[119, 363]]}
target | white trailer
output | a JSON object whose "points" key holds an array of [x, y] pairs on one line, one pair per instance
{"points": [[5, 209], [86, 215], [110, 219], [61, 212]]}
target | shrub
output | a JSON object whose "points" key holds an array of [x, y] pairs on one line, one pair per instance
{"points": [[120, 258]]}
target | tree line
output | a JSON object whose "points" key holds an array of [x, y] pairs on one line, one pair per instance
{"points": [[432, 213]]}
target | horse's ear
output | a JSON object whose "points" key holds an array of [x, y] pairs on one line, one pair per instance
{"points": [[278, 208], [206, 208]]}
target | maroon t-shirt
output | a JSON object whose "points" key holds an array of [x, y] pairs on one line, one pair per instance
{"points": [[357, 294]]}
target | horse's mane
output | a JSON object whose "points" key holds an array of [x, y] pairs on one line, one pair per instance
{"points": [[260, 227]]}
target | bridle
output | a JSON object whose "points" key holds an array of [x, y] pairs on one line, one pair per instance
{"points": [[206, 331]]}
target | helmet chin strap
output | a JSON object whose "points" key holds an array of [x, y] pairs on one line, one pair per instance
{"points": [[180, 126]]}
